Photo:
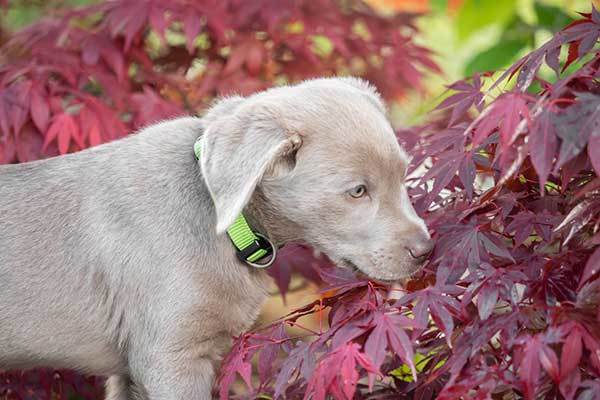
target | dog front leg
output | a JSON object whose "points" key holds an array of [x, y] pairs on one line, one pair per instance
{"points": [[176, 377], [117, 387], [120, 387]]}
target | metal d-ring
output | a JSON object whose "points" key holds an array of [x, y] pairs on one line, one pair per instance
{"points": [[273, 254]]}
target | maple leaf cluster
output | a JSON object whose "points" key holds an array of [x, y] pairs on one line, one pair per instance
{"points": [[84, 76], [93, 74], [509, 304]]}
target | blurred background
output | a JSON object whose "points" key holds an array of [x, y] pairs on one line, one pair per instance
{"points": [[465, 36], [77, 73]]}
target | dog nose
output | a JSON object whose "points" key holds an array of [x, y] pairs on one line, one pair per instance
{"points": [[421, 249]]}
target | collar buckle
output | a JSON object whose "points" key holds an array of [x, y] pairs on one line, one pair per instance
{"points": [[259, 249]]}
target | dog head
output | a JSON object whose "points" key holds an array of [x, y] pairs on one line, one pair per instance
{"points": [[318, 163]]}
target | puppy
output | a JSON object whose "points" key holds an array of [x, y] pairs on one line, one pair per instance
{"points": [[117, 261]]}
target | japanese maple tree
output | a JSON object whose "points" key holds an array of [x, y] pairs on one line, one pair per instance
{"points": [[509, 304]]}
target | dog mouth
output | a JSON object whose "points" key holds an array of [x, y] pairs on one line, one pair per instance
{"points": [[351, 266], [360, 274]]}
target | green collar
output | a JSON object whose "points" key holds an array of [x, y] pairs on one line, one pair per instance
{"points": [[250, 246]]}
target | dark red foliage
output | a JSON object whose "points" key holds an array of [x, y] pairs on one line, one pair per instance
{"points": [[93, 74], [47, 384], [509, 304]]}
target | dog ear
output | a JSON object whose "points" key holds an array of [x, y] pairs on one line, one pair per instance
{"points": [[242, 140]]}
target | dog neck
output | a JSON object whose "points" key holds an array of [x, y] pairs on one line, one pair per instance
{"points": [[263, 217], [251, 245]]}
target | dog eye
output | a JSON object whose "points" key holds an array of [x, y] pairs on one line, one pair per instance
{"points": [[358, 191]]}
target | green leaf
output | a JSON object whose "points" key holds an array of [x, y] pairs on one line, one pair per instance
{"points": [[439, 5], [403, 372], [477, 14], [22, 13], [321, 45], [496, 56], [18, 17], [550, 17]]}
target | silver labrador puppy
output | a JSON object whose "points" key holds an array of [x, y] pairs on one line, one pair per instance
{"points": [[114, 260]]}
